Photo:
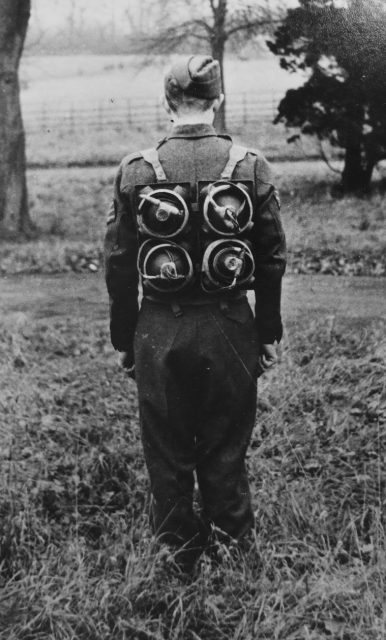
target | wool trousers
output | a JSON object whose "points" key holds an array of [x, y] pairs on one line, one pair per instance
{"points": [[197, 376]]}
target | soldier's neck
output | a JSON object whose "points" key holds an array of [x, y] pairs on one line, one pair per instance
{"points": [[204, 117]]}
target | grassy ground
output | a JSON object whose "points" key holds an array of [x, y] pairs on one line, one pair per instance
{"points": [[77, 560], [325, 234], [55, 147]]}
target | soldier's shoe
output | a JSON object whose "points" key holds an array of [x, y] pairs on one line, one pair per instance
{"points": [[179, 559], [222, 549], [178, 562], [186, 559]]}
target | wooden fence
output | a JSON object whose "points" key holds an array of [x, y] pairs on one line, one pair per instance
{"points": [[140, 113]]}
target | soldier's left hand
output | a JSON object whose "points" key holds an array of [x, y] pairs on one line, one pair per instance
{"points": [[125, 361], [268, 356]]}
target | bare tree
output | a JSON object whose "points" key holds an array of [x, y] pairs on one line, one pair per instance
{"points": [[212, 24], [14, 216]]}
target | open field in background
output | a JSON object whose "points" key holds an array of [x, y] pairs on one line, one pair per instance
{"points": [[63, 79], [95, 109], [77, 560]]}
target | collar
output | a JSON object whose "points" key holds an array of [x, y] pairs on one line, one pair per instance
{"points": [[192, 131]]}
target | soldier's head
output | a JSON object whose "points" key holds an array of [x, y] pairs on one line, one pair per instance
{"points": [[193, 88]]}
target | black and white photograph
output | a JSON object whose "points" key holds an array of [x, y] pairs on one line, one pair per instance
{"points": [[192, 312]]}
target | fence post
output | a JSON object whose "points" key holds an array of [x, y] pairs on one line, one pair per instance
{"points": [[245, 110], [158, 116], [100, 116], [43, 116], [273, 105], [129, 114], [72, 118]]}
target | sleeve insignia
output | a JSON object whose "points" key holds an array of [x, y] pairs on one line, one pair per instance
{"points": [[112, 212], [277, 198]]}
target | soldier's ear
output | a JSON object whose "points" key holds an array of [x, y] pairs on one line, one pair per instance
{"points": [[218, 102], [166, 106], [172, 114]]}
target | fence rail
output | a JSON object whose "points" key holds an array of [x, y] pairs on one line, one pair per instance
{"points": [[140, 113]]}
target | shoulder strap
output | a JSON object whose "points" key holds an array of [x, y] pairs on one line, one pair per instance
{"points": [[236, 154], [131, 157], [151, 156]]}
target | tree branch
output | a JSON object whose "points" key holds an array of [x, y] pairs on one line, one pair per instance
{"points": [[171, 37], [201, 23], [251, 26], [326, 160]]}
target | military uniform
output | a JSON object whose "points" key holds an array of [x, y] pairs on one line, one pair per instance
{"points": [[196, 353]]}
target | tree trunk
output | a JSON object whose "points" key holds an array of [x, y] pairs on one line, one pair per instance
{"points": [[220, 119], [14, 216], [355, 176], [217, 43]]}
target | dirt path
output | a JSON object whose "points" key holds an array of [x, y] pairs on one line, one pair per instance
{"points": [[44, 297]]}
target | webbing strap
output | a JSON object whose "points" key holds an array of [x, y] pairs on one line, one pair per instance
{"points": [[151, 156], [236, 154], [176, 309]]}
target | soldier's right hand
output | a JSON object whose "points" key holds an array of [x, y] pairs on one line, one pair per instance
{"points": [[268, 356]]}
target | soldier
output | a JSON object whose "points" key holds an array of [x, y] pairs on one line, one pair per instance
{"points": [[197, 220]]}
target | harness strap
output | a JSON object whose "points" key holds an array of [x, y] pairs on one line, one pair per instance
{"points": [[176, 309], [224, 306], [235, 298], [236, 154], [151, 156]]}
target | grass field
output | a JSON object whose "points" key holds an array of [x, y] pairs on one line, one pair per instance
{"points": [[72, 84], [77, 560], [55, 147], [89, 78]]}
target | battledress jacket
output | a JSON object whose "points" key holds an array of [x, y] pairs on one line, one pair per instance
{"points": [[192, 153]]}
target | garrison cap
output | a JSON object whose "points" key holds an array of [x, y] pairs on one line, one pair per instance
{"points": [[197, 76]]}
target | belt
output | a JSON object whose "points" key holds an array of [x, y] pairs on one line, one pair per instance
{"points": [[177, 304], [197, 302]]}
